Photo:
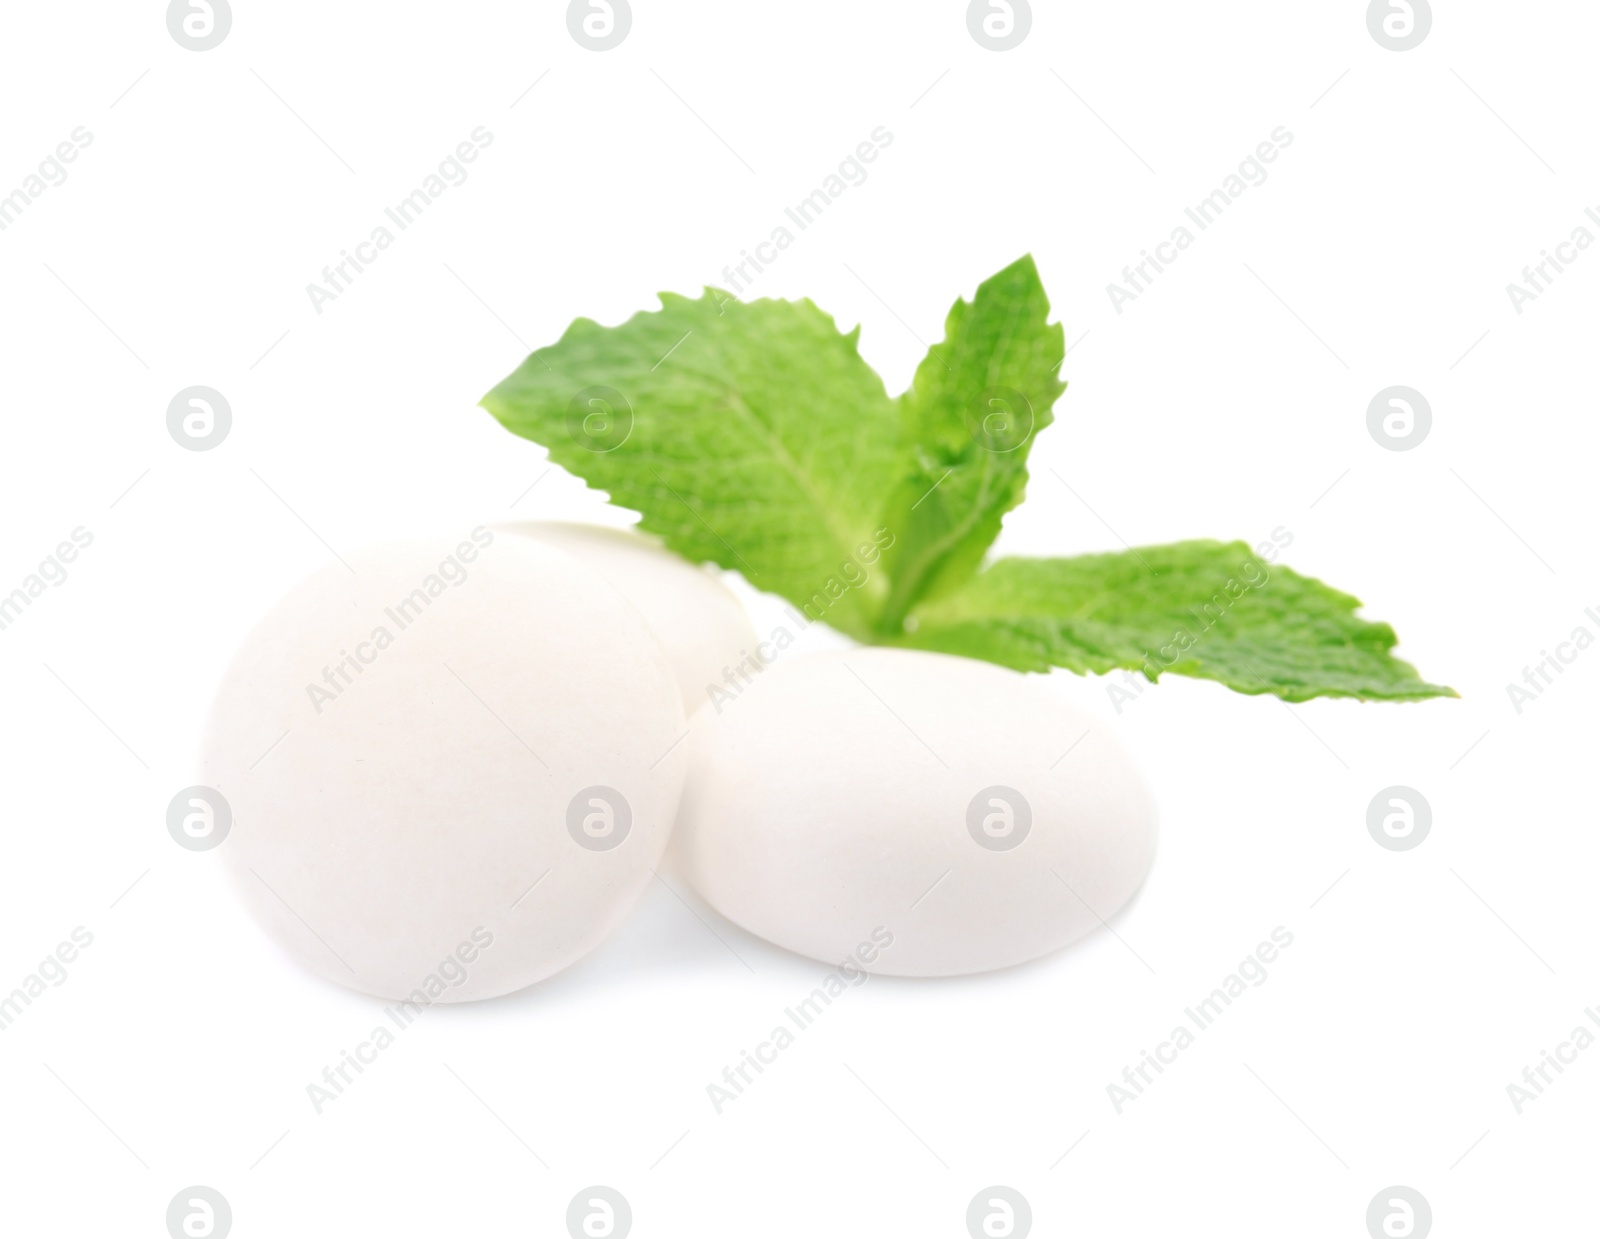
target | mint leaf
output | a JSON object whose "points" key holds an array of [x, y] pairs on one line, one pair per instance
{"points": [[1208, 609], [751, 435], [969, 419], [754, 436]]}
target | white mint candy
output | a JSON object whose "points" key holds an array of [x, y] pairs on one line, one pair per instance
{"points": [[850, 797], [699, 622], [451, 771]]}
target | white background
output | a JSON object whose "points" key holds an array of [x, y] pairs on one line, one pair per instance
{"points": [[1223, 402]]}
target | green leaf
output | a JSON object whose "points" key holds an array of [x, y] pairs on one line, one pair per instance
{"points": [[974, 407], [751, 435], [1208, 609], [754, 436]]}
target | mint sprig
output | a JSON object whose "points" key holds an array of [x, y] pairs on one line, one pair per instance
{"points": [[975, 404], [752, 435]]}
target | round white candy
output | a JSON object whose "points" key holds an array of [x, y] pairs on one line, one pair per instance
{"points": [[699, 622], [912, 812], [451, 771]]}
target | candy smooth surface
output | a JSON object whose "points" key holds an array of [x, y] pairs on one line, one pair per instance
{"points": [[450, 767], [968, 812], [700, 624]]}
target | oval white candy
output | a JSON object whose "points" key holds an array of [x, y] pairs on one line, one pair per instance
{"points": [[850, 797], [451, 771], [700, 624]]}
